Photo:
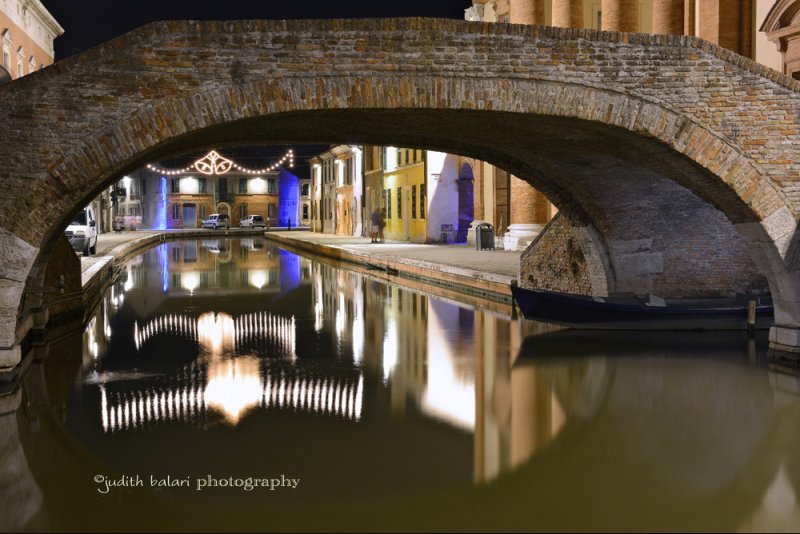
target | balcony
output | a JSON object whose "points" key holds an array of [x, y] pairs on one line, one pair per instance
{"points": [[223, 197]]}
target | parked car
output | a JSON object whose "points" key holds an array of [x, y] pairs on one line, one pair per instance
{"points": [[82, 232], [252, 221], [217, 220]]}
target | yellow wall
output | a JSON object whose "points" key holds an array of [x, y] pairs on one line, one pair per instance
{"points": [[405, 176]]}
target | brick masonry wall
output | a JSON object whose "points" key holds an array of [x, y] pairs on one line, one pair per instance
{"points": [[533, 100]]}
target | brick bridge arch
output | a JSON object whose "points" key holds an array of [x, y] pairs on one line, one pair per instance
{"points": [[623, 132]]}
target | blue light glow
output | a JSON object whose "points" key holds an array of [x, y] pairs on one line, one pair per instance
{"points": [[160, 222]]}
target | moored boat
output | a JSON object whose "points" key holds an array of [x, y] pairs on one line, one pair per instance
{"points": [[602, 313]]}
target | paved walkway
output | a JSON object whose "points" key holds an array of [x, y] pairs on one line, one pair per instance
{"points": [[499, 262]]}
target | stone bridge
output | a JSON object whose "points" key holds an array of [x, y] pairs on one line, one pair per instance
{"points": [[674, 163]]}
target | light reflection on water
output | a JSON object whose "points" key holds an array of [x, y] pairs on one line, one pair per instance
{"points": [[396, 409]]}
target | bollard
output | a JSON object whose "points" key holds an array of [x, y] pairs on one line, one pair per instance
{"points": [[751, 317]]}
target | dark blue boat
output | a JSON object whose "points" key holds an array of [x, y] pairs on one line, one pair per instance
{"points": [[579, 311]]}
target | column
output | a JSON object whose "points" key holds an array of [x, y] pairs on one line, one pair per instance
{"points": [[568, 13], [620, 15], [688, 17], [668, 17], [526, 12], [528, 215]]}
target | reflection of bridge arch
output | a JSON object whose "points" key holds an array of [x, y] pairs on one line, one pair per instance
{"points": [[244, 330], [190, 398]]}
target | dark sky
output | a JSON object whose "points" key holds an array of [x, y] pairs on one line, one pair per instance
{"points": [[90, 22]]}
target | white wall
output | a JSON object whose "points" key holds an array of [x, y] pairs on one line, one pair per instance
{"points": [[442, 205]]}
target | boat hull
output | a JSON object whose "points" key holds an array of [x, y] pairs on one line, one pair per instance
{"points": [[578, 311]]}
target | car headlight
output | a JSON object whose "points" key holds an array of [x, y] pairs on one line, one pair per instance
{"points": [[79, 233]]}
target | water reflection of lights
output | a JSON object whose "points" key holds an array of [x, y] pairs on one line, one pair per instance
{"points": [[257, 278], [190, 281], [233, 389], [219, 329], [391, 347], [215, 332]]}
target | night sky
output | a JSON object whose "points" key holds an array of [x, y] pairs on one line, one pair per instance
{"points": [[88, 23]]}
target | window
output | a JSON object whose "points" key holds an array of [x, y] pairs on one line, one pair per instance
{"points": [[176, 211], [305, 211], [201, 186], [20, 61], [413, 201], [348, 171], [143, 186], [7, 50], [242, 211], [422, 201], [271, 189], [271, 211], [203, 211], [304, 190], [175, 186], [388, 203], [399, 203], [242, 186], [31, 64]]}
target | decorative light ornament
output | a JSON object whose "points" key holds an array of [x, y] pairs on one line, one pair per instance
{"points": [[214, 164]]}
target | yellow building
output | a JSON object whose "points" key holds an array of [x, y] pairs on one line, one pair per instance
{"points": [[404, 194]]}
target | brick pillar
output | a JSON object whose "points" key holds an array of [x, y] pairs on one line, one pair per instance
{"points": [[527, 217], [526, 12], [727, 23], [668, 17], [568, 13], [620, 15], [688, 17]]}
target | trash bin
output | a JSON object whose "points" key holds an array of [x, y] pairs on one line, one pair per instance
{"points": [[484, 236]]}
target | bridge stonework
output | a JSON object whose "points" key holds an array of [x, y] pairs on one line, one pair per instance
{"points": [[574, 112]]}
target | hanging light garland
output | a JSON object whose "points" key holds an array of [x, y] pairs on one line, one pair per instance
{"points": [[214, 164]]}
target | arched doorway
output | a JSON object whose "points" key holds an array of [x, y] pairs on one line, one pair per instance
{"points": [[466, 202]]}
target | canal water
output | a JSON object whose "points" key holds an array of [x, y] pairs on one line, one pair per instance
{"points": [[226, 384]]}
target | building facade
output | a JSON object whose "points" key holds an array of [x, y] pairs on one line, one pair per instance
{"points": [[157, 198], [337, 191], [27, 32]]}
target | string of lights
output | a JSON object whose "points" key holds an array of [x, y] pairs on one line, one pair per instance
{"points": [[214, 163]]}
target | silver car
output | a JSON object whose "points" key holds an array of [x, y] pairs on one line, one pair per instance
{"points": [[217, 220], [253, 221]]}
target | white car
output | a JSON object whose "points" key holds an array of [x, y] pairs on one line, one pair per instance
{"points": [[252, 221], [217, 220], [82, 232]]}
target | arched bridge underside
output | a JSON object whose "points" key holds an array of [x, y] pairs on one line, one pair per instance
{"points": [[674, 163]]}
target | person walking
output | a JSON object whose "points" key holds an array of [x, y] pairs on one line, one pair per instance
{"points": [[381, 223], [374, 221]]}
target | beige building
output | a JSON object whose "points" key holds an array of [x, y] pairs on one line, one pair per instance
{"points": [[743, 26], [27, 31]]}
